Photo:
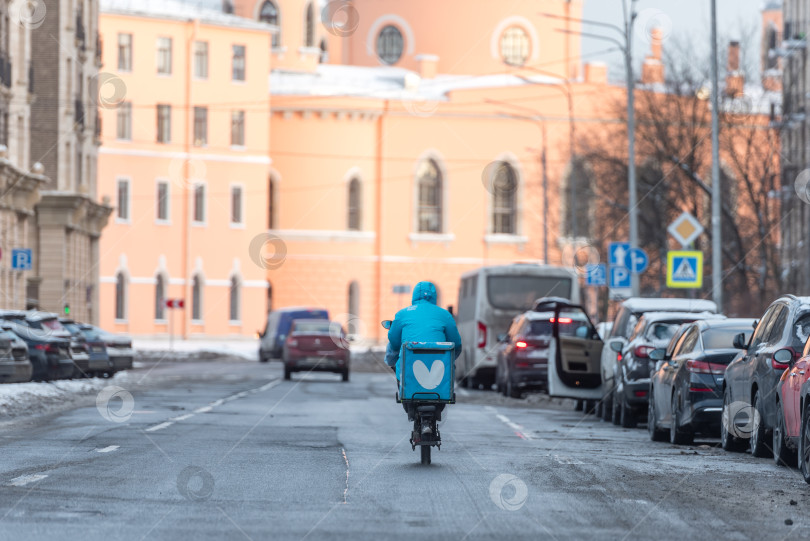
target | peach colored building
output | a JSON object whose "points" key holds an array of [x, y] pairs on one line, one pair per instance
{"points": [[184, 161]]}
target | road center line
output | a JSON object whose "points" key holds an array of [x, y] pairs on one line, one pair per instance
{"points": [[161, 426], [23, 480], [514, 426], [182, 417], [108, 449]]}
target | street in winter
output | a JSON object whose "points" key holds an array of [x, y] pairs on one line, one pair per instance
{"points": [[389, 269]]}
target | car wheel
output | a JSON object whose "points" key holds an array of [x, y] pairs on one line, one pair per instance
{"points": [[345, 375], [616, 414], [727, 439], [677, 434], [628, 416], [607, 408], [656, 434], [470, 382], [580, 405], [804, 445], [758, 433], [287, 373], [598, 409], [263, 359], [782, 454], [511, 391]]}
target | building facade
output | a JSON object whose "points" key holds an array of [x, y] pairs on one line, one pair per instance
{"points": [[185, 163]]}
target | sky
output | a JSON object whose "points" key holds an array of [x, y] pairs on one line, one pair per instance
{"points": [[680, 19]]}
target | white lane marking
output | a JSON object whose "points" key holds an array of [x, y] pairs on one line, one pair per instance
{"points": [[108, 449], [161, 426], [346, 459], [270, 385], [23, 480], [204, 409], [216, 403], [514, 426], [182, 417]]}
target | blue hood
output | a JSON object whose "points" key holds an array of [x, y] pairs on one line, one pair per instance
{"points": [[424, 291]]}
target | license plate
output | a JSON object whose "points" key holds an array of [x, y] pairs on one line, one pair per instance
{"points": [[537, 353]]}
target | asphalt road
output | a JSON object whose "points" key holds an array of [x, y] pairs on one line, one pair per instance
{"points": [[230, 451]]}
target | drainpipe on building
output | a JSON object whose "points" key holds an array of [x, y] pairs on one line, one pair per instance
{"points": [[189, 305], [379, 175]]}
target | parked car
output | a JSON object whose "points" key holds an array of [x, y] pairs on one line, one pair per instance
{"points": [[99, 361], [623, 325], [685, 390], [272, 339], [633, 367], [523, 359], [791, 406], [604, 328], [49, 324], [750, 386], [316, 345], [119, 347], [15, 366], [49, 355]]}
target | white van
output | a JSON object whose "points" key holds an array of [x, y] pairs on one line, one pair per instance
{"points": [[489, 298]]}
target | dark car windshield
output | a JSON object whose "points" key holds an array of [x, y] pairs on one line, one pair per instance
{"points": [[312, 327], [569, 324], [509, 292], [723, 338], [802, 332]]}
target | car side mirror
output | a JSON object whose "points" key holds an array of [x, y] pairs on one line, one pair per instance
{"points": [[658, 354], [502, 337], [616, 345], [784, 356], [386, 323], [739, 341]]}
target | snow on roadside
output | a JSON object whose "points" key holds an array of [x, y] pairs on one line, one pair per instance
{"points": [[38, 397]]}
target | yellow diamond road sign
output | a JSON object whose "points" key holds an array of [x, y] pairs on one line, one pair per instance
{"points": [[685, 229], [685, 269]]}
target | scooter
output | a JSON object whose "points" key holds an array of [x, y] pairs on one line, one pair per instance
{"points": [[425, 388]]}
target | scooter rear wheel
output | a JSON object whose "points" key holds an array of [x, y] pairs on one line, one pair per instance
{"points": [[425, 454]]}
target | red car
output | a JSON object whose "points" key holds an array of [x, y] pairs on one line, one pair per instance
{"points": [[792, 431], [316, 345]]}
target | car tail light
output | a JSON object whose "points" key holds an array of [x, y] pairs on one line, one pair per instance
{"points": [[47, 348], [562, 320], [482, 335], [522, 364], [642, 352], [619, 357], [694, 389], [292, 342], [702, 367], [640, 394], [521, 345]]}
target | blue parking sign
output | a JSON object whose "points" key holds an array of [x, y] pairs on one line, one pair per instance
{"points": [[21, 259], [619, 278], [596, 275]]}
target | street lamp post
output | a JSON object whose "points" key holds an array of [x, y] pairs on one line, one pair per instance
{"points": [[717, 241]]}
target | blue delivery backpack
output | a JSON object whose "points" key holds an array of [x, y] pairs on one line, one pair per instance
{"points": [[427, 372]]}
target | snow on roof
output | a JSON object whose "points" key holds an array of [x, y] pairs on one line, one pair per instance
{"points": [[638, 304], [653, 317], [181, 10], [386, 82]]}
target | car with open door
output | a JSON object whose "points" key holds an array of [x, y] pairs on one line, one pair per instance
{"points": [[574, 359], [750, 396], [685, 391]]}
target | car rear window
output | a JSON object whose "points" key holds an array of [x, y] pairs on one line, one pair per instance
{"points": [[509, 292], [802, 331], [52, 324], [723, 338], [663, 330], [569, 323], [307, 327]]}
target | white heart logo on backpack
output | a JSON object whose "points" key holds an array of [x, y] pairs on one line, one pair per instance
{"points": [[429, 379]]}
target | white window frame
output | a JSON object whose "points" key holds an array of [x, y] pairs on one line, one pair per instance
{"points": [[198, 77], [236, 225], [157, 57], [168, 219], [118, 218]]}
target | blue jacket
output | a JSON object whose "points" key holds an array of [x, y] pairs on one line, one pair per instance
{"points": [[423, 321]]}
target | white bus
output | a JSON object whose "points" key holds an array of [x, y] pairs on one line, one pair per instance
{"points": [[488, 299]]}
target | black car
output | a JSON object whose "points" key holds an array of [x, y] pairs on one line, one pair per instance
{"points": [[99, 361], [686, 385], [522, 363], [50, 356], [750, 385], [15, 367]]}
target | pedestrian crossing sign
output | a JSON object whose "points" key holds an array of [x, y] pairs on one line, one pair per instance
{"points": [[685, 269]]}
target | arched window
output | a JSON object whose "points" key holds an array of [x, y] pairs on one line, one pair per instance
{"points": [[160, 298], [324, 52], [271, 204], [515, 46], [354, 308], [120, 296], [504, 200], [355, 204], [234, 299], [579, 198], [309, 36], [196, 299], [429, 185], [390, 45], [269, 14], [269, 297]]}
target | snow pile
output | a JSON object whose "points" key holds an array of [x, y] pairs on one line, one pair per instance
{"points": [[196, 350]]}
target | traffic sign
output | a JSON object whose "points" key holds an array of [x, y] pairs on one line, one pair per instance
{"points": [[617, 251], [619, 277], [21, 259], [636, 260], [685, 229], [596, 275], [401, 289], [685, 269], [175, 303]]}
